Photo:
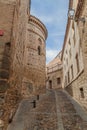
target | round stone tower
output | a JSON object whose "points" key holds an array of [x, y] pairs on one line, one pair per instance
{"points": [[35, 58]]}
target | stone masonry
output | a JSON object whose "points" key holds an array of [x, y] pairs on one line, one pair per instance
{"points": [[14, 16], [22, 56], [34, 58], [54, 74], [78, 86]]}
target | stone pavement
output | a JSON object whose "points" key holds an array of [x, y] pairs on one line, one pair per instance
{"points": [[73, 116], [55, 110]]}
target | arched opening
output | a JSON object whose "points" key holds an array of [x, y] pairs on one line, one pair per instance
{"points": [[39, 50]]}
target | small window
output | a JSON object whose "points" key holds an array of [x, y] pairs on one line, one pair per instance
{"points": [[82, 92], [72, 71], [8, 44], [65, 80], [58, 80], [74, 38], [39, 50], [73, 27], [77, 63], [68, 77], [69, 42]]}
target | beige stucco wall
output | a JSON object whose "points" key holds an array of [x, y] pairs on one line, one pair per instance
{"points": [[77, 86], [75, 48]]}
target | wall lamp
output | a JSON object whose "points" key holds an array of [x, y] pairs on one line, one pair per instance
{"points": [[71, 15]]}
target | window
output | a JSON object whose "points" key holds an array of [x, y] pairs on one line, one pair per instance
{"points": [[73, 27], [8, 44], [68, 77], [58, 80], [80, 45], [69, 42], [74, 37], [39, 50], [72, 71], [82, 92], [77, 63], [65, 80]]}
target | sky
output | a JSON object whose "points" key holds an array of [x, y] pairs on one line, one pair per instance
{"points": [[53, 13]]}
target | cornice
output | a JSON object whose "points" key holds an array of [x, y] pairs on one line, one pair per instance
{"points": [[39, 23]]}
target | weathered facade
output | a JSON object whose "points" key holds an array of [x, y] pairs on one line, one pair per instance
{"points": [[74, 54], [54, 73], [22, 56], [34, 58], [14, 16]]}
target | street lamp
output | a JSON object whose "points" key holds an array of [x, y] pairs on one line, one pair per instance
{"points": [[71, 15], [1, 124]]}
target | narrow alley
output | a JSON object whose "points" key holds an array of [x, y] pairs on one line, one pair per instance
{"points": [[43, 65], [55, 110]]}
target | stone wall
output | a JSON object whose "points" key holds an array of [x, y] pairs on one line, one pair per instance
{"points": [[78, 86], [54, 77], [6, 23], [34, 58], [54, 73], [81, 81], [14, 21]]}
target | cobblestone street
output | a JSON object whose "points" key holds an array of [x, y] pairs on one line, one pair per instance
{"points": [[55, 110]]}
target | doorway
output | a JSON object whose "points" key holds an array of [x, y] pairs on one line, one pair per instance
{"points": [[50, 84]]}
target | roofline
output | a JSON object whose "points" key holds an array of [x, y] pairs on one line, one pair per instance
{"points": [[37, 21], [67, 29]]}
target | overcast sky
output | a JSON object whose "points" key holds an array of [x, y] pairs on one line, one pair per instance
{"points": [[53, 13]]}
